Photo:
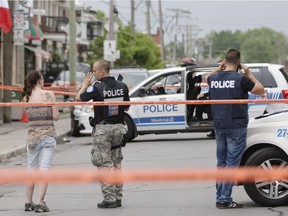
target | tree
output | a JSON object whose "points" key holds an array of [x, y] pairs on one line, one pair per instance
{"points": [[135, 50], [256, 45], [138, 49], [263, 45], [221, 42]]}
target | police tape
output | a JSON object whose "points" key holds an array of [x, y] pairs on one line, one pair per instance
{"points": [[57, 90], [110, 103], [89, 175]]}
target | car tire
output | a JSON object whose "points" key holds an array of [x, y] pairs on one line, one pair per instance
{"points": [[130, 128], [266, 158], [75, 131]]}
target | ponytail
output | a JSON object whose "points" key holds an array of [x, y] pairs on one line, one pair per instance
{"points": [[30, 82]]}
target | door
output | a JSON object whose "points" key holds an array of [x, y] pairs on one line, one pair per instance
{"points": [[159, 117]]}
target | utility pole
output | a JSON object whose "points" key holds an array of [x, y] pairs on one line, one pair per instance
{"points": [[177, 15], [111, 34], [133, 17], [7, 68], [148, 20], [161, 33], [20, 57], [72, 45]]}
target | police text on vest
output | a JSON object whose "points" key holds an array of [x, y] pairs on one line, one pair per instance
{"points": [[223, 84], [113, 92]]}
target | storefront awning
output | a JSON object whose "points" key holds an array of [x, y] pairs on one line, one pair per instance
{"points": [[39, 52], [34, 32]]}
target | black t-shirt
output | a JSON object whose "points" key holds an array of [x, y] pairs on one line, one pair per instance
{"points": [[247, 84]]}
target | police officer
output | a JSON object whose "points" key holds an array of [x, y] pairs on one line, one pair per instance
{"points": [[230, 120], [109, 129]]}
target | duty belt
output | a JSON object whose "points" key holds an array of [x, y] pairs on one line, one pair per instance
{"points": [[104, 122]]}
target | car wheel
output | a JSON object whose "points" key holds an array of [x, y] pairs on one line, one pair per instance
{"points": [[130, 128], [268, 192], [75, 131]]}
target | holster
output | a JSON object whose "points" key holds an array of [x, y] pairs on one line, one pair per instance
{"points": [[122, 144]]}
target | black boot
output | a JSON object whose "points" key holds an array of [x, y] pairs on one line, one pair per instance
{"points": [[106, 204]]}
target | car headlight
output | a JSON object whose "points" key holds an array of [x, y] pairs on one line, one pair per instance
{"points": [[87, 109], [77, 112]]}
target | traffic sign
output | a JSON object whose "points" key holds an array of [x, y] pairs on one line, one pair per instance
{"points": [[110, 50], [39, 11], [18, 20], [18, 37]]}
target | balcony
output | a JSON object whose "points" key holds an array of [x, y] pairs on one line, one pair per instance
{"points": [[52, 24]]}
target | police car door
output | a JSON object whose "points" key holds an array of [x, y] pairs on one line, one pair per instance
{"points": [[159, 117]]}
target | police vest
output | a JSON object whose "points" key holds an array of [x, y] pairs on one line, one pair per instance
{"points": [[110, 90], [226, 85]]}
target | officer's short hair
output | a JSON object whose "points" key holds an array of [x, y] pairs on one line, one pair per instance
{"points": [[233, 56], [103, 65]]}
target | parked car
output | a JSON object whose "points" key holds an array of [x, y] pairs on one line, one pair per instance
{"points": [[131, 76], [171, 84], [267, 149]]}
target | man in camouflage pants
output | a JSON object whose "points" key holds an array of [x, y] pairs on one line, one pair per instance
{"points": [[108, 126]]}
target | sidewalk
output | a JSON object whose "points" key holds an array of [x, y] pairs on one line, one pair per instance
{"points": [[13, 136]]}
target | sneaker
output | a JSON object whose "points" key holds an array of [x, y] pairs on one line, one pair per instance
{"points": [[211, 134], [106, 204], [229, 205], [29, 206], [119, 203], [41, 208], [217, 204]]}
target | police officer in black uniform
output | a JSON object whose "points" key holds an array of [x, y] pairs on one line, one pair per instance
{"points": [[108, 126]]}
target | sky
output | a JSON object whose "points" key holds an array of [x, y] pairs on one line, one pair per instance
{"points": [[203, 16]]}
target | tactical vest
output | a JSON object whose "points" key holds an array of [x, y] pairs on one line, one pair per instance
{"points": [[110, 90], [227, 85]]}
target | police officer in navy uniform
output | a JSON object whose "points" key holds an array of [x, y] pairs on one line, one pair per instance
{"points": [[108, 126], [230, 120]]}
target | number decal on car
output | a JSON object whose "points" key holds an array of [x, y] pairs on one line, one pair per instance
{"points": [[282, 133]]}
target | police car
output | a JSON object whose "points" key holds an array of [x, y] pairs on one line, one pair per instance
{"points": [[130, 75], [172, 84], [267, 149]]}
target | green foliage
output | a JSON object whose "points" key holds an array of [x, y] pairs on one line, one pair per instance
{"points": [[263, 45], [56, 57], [135, 50], [256, 45]]}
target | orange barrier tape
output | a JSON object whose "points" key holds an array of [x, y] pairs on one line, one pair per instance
{"points": [[80, 175], [54, 89], [195, 102]]}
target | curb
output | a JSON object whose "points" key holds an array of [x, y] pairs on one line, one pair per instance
{"points": [[62, 138]]}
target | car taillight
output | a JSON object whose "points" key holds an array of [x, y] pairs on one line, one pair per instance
{"points": [[285, 94]]}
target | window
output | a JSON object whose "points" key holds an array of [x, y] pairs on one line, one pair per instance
{"points": [[165, 84], [263, 75]]}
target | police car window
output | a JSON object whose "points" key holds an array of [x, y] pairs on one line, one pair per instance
{"points": [[263, 75], [131, 79], [166, 84]]}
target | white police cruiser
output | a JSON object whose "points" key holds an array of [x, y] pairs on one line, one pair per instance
{"points": [[267, 149], [171, 84]]}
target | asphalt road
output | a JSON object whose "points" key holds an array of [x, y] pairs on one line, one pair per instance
{"points": [[140, 198]]}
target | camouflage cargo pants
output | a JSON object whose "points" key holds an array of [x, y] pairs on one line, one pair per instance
{"points": [[104, 137]]}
